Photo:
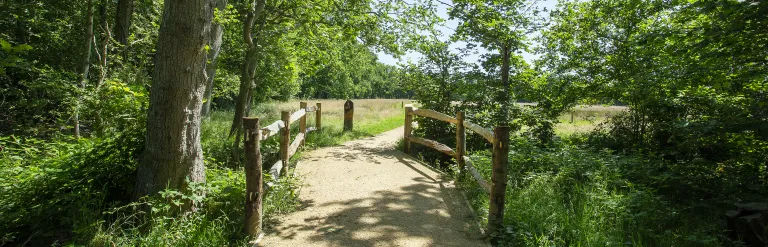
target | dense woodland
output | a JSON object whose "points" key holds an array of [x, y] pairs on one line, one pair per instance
{"points": [[111, 111]]}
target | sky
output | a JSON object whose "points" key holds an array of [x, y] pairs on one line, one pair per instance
{"points": [[447, 31]]}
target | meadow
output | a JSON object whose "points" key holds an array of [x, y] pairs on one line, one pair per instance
{"points": [[584, 118]]}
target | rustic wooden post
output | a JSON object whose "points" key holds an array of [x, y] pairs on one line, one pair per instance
{"points": [[461, 142], [408, 124], [498, 181], [349, 111], [285, 141], [253, 177], [303, 121], [571, 117], [319, 116]]}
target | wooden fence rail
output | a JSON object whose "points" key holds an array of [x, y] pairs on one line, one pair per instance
{"points": [[499, 138], [254, 175]]}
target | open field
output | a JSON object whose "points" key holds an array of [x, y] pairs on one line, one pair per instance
{"points": [[372, 116], [585, 118]]}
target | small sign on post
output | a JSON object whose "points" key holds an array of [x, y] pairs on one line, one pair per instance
{"points": [[349, 111]]}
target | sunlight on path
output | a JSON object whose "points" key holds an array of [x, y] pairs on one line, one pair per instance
{"points": [[366, 193]]}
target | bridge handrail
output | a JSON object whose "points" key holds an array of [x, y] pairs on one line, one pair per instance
{"points": [[499, 138]]}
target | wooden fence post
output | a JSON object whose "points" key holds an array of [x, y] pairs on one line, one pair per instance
{"points": [[349, 112], [253, 177], [498, 181], [319, 116], [461, 142], [285, 141], [407, 133], [303, 121]]}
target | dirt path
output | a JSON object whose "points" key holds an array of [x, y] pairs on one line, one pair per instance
{"points": [[366, 193]]}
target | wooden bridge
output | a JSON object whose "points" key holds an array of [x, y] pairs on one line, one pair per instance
{"points": [[367, 193]]}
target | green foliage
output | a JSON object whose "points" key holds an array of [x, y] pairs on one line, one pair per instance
{"points": [[568, 195], [695, 99], [217, 221], [50, 189], [356, 74], [495, 24], [9, 55]]}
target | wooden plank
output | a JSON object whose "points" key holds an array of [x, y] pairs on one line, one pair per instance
{"points": [[434, 115], [275, 169], [475, 174], [272, 130], [297, 115], [295, 145], [485, 133], [434, 145], [310, 108]]}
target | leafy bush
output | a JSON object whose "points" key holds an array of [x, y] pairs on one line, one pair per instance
{"points": [[704, 158]]}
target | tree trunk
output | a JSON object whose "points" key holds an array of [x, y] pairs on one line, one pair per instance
{"points": [[172, 149], [86, 64], [217, 30], [503, 97], [104, 43], [123, 21], [249, 67]]}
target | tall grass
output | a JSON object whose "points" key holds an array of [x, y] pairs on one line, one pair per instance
{"points": [[570, 196]]}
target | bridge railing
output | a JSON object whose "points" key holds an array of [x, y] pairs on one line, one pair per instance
{"points": [[499, 138], [254, 177]]}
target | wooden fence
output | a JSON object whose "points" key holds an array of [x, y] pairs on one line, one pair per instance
{"points": [[254, 178], [499, 138]]}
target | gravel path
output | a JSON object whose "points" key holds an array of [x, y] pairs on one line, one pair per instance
{"points": [[366, 193]]}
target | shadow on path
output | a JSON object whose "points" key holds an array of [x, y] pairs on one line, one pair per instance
{"points": [[367, 194]]}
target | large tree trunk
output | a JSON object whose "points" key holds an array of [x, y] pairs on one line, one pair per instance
{"points": [[86, 64], [503, 96], [123, 21], [172, 148], [217, 31]]}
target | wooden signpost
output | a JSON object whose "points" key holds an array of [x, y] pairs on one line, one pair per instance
{"points": [[349, 111]]}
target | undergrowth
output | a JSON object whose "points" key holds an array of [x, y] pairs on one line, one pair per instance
{"points": [[570, 195]]}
